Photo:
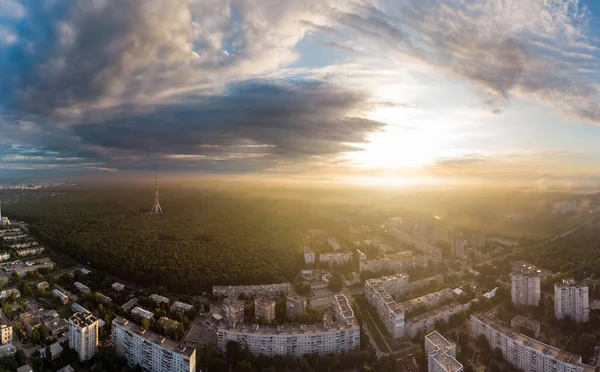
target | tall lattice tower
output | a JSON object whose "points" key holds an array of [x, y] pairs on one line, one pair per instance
{"points": [[156, 208]]}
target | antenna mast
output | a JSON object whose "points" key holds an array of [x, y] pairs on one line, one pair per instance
{"points": [[156, 208]]}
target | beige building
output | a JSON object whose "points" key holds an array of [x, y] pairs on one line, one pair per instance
{"points": [[441, 354], [264, 310], [234, 311], [7, 333], [83, 334], [572, 299]]}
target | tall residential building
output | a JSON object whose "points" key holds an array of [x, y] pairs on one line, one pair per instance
{"points": [[342, 310], [83, 334], [525, 286], [478, 239], [572, 299], [441, 354], [309, 256], [460, 247], [427, 321], [6, 333], [234, 311], [151, 351], [525, 353], [327, 338], [264, 309], [265, 290], [390, 313], [294, 305]]}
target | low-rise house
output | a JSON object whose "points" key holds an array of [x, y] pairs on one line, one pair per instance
{"points": [[103, 298], [77, 308], [30, 321], [55, 350], [142, 312], [84, 289], [159, 299], [42, 285], [118, 286], [181, 307], [61, 296]]}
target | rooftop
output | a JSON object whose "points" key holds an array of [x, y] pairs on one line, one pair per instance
{"points": [[290, 330], [435, 312], [153, 337], [82, 319], [558, 354], [295, 297]]}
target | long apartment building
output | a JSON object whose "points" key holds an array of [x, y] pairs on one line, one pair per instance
{"points": [[267, 290], [525, 286], [390, 313], [397, 262], [322, 339], [523, 352], [153, 352], [342, 309], [426, 321], [572, 299], [429, 300], [336, 258], [441, 354]]}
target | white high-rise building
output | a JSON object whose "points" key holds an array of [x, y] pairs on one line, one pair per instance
{"points": [[83, 334], [525, 286], [525, 353], [572, 299], [153, 352], [377, 293], [441, 354]]}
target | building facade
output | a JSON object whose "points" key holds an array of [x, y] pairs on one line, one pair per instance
{"points": [[295, 305], [572, 299], [309, 256], [525, 353], [266, 290], [234, 311], [525, 287], [83, 334], [151, 351], [328, 338], [390, 313], [441, 354], [264, 309], [6, 333], [336, 258], [427, 321]]}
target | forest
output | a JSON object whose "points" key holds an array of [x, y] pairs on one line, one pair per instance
{"points": [[204, 237]]}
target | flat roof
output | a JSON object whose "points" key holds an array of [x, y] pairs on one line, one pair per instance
{"points": [[83, 319], [289, 330], [150, 336], [435, 312], [558, 354]]}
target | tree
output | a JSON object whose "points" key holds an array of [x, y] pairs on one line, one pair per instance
{"points": [[233, 352], [336, 282], [482, 343], [20, 357], [48, 359], [497, 354], [244, 366]]}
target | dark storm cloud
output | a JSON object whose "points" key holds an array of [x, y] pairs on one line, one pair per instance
{"points": [[292, 119]]}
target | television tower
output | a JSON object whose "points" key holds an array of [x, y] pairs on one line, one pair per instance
{"points": [[156, 208]]}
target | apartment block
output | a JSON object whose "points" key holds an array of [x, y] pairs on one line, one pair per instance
{"points": [[525, 286], [267, 290], [152, 352], [181, 307], [328, 338], [342, 310], [6, 333], [142, 312], [61, 296], [84, 289], [390, 313], [525, 353], [234, 311], [397, 262], [426, 321], [336, 258], [441, 354], [83, 334], [572, 299], [309, 256], [295, 305], [159, 299], [264, 309], [429, 300]]}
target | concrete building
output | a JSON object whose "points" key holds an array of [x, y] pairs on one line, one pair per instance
{"points": [[267, 290], [182, 307], [441, 354], [159, 299], [295, 305], [336, 258], [398, 262], [333, 244], [55, 350], [525, 353], [264, 309], [151, 351], [103, 298], [234, 311], [426, 321], [390, 313], [429, 300], [328, 338], [77, 308], [118, 287], [478, 239], [61, 296], [309, 256], [142, 312], [521, 323], [342, 309], [30, 321], [352, 279], [460, 247], [83, 334], [42, 285], [525, 286], [394, 285], [10, 292], [6, 333], [572, 299], [84, 289]]}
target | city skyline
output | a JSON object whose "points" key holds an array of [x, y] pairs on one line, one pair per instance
{"points": [[371, 91]]}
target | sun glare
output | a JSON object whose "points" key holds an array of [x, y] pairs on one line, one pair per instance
{"points": [[399, 145]]}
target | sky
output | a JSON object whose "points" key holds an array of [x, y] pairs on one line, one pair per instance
{"points": [[375, 91]]}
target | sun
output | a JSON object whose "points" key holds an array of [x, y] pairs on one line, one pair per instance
{"points": [[400, 146]]}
